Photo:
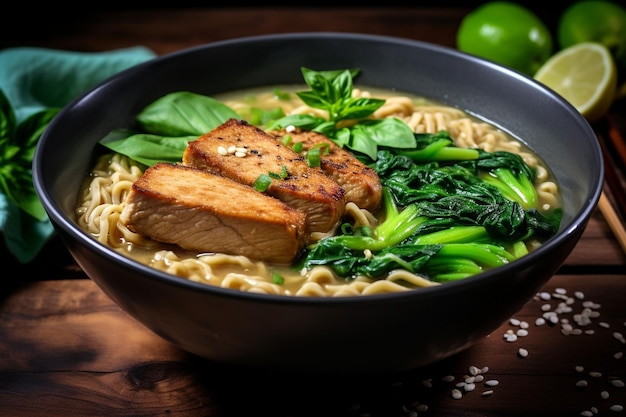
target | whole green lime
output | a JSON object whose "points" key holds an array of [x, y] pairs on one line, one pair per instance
{"points": [[595, 21], [506, 33]]}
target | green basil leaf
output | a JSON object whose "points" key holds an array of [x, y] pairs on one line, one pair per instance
{"points": [[29, 202], [343, 137], [7, 120], [312, 99], [328, 129], [342, 86], [328, 90], [303, 121], [390, 132], [362, 142], [184, 114], [359, 108], [146, 148], [17, 185], [320, 85], [16, 154], [30, 130], [330, 75]]}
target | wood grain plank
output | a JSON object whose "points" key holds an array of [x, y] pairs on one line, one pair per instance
{"points": [[597, 246], [178, 28], [77, 353]]}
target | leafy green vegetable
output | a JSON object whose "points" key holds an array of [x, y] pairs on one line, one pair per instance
{"points": [[437, 147], [146, 148], [449, 212], [398, 226], [183, 113], [504, 170], [167, 125], [508, 172], [348, 122], [463, 192], [17, 148], [441, 218]]}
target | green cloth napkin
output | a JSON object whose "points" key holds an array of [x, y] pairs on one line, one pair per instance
{"points": [[34, 79]]}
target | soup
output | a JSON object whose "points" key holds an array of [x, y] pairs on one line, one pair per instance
{"points": [[103, 198]]}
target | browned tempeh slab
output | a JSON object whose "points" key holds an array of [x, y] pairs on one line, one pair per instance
{"points": [[204, 212], [360, 182], [306, 189]]}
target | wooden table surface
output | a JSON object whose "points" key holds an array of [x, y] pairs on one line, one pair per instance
{"points": [[67, 350]]}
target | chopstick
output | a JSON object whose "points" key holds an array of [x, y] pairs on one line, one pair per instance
{"points": [[617, 142], [611, 176], [612, 220], [614, 217]]}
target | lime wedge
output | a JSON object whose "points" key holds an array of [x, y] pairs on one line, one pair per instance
{"points": [[585, 75]]}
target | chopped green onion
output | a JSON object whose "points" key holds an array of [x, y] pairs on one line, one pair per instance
{"points": [[279, 175], [298, 147], [313, 157], [277, 278], [324, 148], [262, 183], [286, 140], [281, 95]]}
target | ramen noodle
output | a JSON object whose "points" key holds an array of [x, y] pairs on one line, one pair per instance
{"points": [[102, 200]]}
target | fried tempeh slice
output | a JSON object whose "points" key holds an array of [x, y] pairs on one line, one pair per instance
{"points": [[203, 212], [304, 188], [360, 183]]}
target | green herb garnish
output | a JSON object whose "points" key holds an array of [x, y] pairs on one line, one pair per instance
{"points": [[277, 278], [262, 183], [349, 123]]}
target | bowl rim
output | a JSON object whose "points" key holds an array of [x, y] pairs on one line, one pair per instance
{"points": [[81, 237]]}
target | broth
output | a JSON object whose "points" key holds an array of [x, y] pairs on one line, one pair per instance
{"points": [[103, 197]]}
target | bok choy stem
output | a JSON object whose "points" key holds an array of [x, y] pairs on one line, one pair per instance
{"points": [[515, 187], [456, 234]]}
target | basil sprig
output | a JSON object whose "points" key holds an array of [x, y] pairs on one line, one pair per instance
{"points": [[17, 148], [349, 123], [167, 125]]}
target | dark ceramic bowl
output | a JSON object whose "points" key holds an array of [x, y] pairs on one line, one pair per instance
{"points": [[378, 333]]}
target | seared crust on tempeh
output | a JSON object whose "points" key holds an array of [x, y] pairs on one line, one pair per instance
{"points": [[360, 182], [203, 212], [306, 189]]}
